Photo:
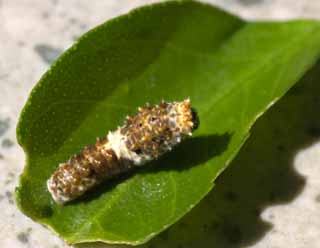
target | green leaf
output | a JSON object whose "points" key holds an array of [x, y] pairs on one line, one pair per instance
{"points": [[232, 70]]}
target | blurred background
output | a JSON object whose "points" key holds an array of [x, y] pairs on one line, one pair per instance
{"points": [[275, 206]]}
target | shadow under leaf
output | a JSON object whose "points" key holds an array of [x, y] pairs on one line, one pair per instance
{"points": [[262, 175]]}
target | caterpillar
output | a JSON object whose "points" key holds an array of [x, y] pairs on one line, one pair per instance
{"points": [[153, 131]]}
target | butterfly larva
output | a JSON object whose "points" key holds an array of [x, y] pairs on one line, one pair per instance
{"points": [[153, 131]]}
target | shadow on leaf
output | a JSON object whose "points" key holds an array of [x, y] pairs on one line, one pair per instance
{"points": [[189, 153]]}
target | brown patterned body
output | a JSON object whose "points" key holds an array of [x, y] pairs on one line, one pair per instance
{"points": [[90, 167], [153, 131], [148, 132]]}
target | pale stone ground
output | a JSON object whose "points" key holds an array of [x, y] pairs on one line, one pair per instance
{"points": [[34, 32]]}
